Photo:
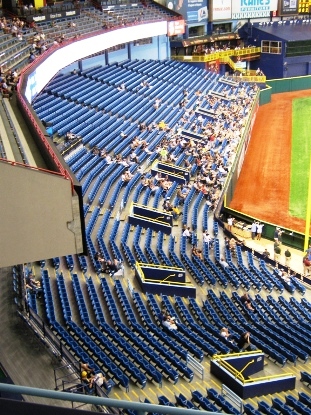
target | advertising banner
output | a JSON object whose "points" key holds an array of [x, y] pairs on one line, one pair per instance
{"points": [[248, 9], [221, 10], [193, 11], [288, 7], [175, 27]]}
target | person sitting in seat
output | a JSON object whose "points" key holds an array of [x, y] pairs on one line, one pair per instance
{"points": [[224, 332], [87, 382], [187, 233], [249, 306], [169, 323], [85, 367], [100, 379], [121, 87], [111, 267], [223, 263], [126, 177], [197, 252], [69, 136], [244, 342], [98, 257]]}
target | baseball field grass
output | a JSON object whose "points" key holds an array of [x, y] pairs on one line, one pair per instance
{"points": [[300, 156]]}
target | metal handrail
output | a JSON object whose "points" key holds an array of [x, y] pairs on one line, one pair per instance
{"points": [[140, 407]]}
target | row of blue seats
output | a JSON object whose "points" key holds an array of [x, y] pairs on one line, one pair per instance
{"points": [[295, 321], [270, 282], [237, 277], [188, 263], [115, 338], [193, 333], [230, 313], [176, 335], [75, 156], [152, 258], [137, 342], [164, 344], [116, 253], [212, 329], [196, 328], [99, 172], [275, 324], [91, 223], [69, 342], [94, 337], [160, 252], [270, 346], [257, 280], [93, 165]]}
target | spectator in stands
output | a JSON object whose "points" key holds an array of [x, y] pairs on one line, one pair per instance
{"points": [[100, 380], [85, 367], [157, 103], [163, 154], [121, 87], [280, 233], [144, 84], [153, 187], [32, 57], [197, 252], [165, 184], [33, 285], [207, 239], [277, 234], [244, 343], [244, 298], [286, 278], [126, 176], [167, 206], [224, 332], [187, 233], [232, 244], [169, 323], [69, 136], [308, 252], [136, 143], [111, 267], [249, 306], [223, 263], [163, 314], [87, 382], [266, 253]]}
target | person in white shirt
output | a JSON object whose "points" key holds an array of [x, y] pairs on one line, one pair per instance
{"points": [[230, 223], [223, 263], [169, 323], [207, 239], [259, 230], [187, 233]]}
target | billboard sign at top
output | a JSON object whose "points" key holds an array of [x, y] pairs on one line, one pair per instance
{"points": [[288, 7], [193, 11], [221, 10], [248, 9]]}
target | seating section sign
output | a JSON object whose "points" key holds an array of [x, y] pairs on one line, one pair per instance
{"points": [[248, 9], [193, 11]]}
